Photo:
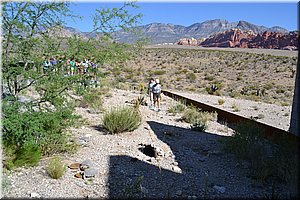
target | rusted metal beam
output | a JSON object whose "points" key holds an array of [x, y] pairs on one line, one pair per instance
{"points": [[229, 117]]}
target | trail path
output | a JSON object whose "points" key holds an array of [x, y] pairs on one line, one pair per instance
{"points": [[191, 164]]}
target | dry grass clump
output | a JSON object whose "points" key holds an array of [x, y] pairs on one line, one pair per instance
{"points": [[56, 168], [121, 119]]}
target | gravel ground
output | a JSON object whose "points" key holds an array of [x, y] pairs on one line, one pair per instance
{"points": [[274, 52], [190, 164], [271, 114]]}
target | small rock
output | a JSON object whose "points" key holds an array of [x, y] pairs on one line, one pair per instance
{"points": [[90, 172], [35, 195], [176, 169], [86, 164], [74, 166], [78, 175], [219, 189]]}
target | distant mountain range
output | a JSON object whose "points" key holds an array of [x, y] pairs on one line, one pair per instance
{"points": [[170, 33]]}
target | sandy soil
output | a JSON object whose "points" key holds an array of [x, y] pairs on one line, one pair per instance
{"points": [[274, 52], [191, 164]]}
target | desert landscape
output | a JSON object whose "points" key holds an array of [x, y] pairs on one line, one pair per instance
{"points": [[188, 163], [77, 119], [265, 75]]}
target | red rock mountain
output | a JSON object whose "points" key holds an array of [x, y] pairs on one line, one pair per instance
{"points": [[236, 38]]}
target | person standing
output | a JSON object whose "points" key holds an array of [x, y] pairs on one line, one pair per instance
{"points": [[156, 89], [150, 85]]}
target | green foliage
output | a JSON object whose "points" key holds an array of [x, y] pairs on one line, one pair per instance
{"points": [[56, 168], [198, 120], [22, 126], [235, 107], [190, 115], [122, 119], [93, 98], [28, 155], [177, 108], [200, 124]]}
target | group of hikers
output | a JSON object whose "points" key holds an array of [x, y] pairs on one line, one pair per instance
{"points": [[70, 67], [154, 91]]}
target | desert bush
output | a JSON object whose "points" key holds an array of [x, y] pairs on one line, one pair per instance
{"points": [[28, 155], [209, 78], [56, 168], [93, 98], [190, 114], [35, 132], [122, 119], [159, 72], [221, 101], [200, 124], [177, 108], [191, 76], [235, 107]]}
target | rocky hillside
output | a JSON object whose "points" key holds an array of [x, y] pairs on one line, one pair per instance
{"points": [[248, 39], [166, 33], [158, 33]]}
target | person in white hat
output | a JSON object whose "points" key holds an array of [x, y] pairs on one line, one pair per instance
{"points": [[156, 89]]}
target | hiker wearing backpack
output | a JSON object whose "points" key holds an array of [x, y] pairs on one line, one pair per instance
{"points": [[150, 85], [156, 89]]}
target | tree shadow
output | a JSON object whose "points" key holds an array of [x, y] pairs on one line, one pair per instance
{"points": [[188, 173]]}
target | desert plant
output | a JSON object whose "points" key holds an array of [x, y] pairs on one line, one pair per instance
{"points": [[28, 155], [139, 101], [56, 168], [235, 107], [93, 98], [177, 108], [190, 114], [221, 101], [121, 119], [200, 124]]}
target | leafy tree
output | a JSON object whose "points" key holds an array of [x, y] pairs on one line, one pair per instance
{"points": [[29, 37]]}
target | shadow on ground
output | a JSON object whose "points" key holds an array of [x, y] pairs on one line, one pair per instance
{"points": [[194, 156]]}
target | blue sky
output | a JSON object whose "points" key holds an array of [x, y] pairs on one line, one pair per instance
{"points": [[267, 14]]}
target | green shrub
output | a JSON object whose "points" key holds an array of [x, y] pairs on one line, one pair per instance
{"points": [[56, 168], [29, 155], [177, 108], [200, 124], [190, 115], [235, 107], [93, 98], [121, 119], [221, 101], [36, 133]]}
